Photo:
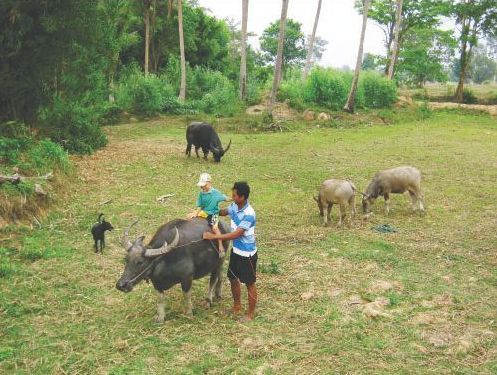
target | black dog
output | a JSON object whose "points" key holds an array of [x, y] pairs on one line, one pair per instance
{"points": [[98, 232]]}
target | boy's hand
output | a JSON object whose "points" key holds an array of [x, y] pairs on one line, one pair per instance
{"points": [[209, 236]]}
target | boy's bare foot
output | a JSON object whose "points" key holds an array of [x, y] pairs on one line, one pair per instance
{"points": [[233, 311], [222, 253], [246, 319]]}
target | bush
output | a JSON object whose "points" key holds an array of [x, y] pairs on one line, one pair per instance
{"points": [[468, 97], [376, 91], [46, 155], [327, 88], [73, 126], [13, 129], [144, 94], [11, 149], [293, 91]]}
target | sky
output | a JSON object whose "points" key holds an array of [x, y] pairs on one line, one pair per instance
{"points": [[339, 23]]}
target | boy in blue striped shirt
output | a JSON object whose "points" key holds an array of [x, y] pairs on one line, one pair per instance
{"points": [[243, 259]]}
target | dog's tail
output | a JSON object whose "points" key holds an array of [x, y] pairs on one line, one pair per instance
{"points": [[100, 218]]}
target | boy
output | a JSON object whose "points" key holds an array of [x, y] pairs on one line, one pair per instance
{"points": [[208, 206], [243, 259]]}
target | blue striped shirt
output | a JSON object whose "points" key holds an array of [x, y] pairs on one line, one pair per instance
{"points": [[243, 218]]}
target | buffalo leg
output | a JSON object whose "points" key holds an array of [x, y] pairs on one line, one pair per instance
{"points": [[186, 286], [188, 149], [327, 217], [196, 151], [206, 152], [343, 213], [386, 196], [159, 318], [212, 285], [352, 205]]}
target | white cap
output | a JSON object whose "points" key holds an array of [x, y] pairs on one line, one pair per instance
{"points": [[204, 179]]}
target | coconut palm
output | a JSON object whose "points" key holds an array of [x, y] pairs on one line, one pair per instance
{"points": [[182, 88], [307, 66], [243, 52], [395, 50], [349, 106]]}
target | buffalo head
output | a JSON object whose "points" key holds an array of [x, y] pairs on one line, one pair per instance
{"points": [[218, 152], [140, 259]]}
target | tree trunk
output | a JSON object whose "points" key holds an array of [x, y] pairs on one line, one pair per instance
{"points": [[169, 8], [243, 52], [307, 66], [349, 106], [182, 89], [463, 62], [147, 36], [395, 51], [279, 56]]}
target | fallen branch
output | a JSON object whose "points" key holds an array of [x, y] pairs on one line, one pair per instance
{"points": [[16, 178]]}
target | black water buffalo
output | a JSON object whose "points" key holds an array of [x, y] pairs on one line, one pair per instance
{"points": [[202, 135], [176, 254]]}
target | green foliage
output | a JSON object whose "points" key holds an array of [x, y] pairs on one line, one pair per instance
{"points": [[424, 55], [327, 88], [376, 91], [13, 129], [46, 155], [11, 149], [73, 126], [7, 269], [143, 94], [468, 97], [294, 51]]}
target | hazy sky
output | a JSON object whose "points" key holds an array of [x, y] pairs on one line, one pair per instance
{"points": [[339, 24]]}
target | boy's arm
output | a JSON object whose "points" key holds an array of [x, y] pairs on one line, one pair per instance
{"points": [[223, 212]]}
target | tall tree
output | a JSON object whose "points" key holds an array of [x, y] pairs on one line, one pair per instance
{"points": [[476, 18], [307, 66], [294, 47], [146, 18], [279, 55], [182, 87], [349, 106], [395, 50], [243, 51], [414, 13]]}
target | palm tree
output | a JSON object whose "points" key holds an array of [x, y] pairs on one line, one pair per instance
{"points": [[243, 52], [182, 88], [311, 42], [279, 56], [395, 51], [146, 17], [349, 106]]}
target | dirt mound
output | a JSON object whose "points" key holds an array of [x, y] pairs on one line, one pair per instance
{"points": [[492, 109], [281, 111]]}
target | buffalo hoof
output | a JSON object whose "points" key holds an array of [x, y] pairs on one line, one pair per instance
{"points": [[207, 303], [159, 319]]}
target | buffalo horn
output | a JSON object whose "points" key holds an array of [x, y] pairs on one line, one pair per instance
{"points": [[164, 249], [364, 195], [126, 242], [227, 148]]}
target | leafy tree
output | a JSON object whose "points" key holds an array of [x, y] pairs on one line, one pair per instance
{"points": [[371, 61], [425, 55], [415, 13], [294, 51], [482, 66], [476, 18]]}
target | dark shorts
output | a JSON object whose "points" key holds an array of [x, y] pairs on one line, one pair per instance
{"points": [[242, 268], [213, 220]]}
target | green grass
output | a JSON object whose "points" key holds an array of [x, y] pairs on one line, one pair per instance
{"points": [[60, 311], [485, 93]]}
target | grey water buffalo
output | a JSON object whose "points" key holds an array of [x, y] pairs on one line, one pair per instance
{"points": [[394, 181], [341, 192], [176, 254], [203, 135]]}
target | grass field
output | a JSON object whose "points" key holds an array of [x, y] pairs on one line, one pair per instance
{"points": [[484, 93], [331, 300]]}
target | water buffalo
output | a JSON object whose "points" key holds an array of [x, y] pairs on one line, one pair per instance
{"points": [[202, 135], [176, 254], [341, 192], [396, 181]]}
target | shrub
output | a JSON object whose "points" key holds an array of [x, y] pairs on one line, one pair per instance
{"points": [[376, 91], [468, 97], [328, 88], [11, 149], [47, 155], [143, 94], [73, 126], [13, 129], [293, 91]]}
